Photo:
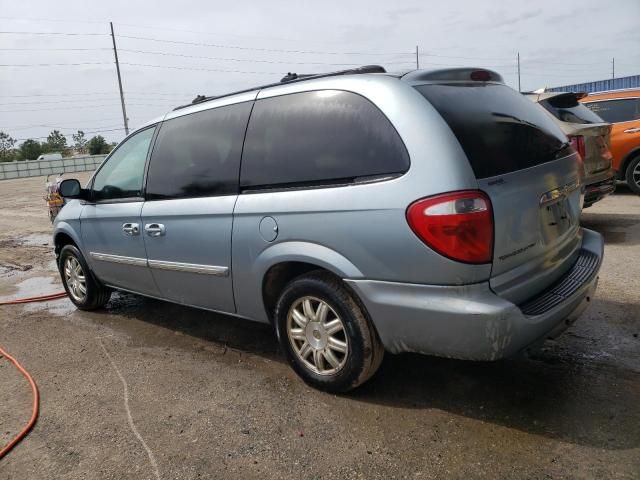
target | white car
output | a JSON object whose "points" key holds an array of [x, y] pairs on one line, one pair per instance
{"points": [[50, 156]]}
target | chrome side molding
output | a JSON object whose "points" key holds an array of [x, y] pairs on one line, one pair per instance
{"points": [[189, 267], [162, 265], [105, 257]]}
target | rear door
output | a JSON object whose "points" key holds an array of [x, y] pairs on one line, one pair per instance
{"points": [[524, 162], [110, 222], [192, 186]]}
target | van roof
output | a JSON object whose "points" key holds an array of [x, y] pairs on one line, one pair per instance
{"points": [[290, 78], [413, 76]]}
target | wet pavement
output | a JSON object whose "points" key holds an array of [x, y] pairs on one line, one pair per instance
{"points": [[211, 397]]}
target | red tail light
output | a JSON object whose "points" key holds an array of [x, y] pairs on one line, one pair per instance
{"points": [[458, 225], [577, 142]]}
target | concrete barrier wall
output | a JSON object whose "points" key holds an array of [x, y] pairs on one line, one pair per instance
{"points": [[37, 168]]}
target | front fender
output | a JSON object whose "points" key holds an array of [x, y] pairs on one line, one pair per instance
{"points": [[68, 222]]}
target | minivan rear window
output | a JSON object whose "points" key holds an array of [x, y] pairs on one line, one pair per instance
{"points": [[499, 130], [566, 108]]}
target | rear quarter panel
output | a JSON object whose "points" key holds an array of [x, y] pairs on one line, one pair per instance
{"points": [[358, 231]]}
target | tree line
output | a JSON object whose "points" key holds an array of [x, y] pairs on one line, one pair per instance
{"points": [[56, 143]]}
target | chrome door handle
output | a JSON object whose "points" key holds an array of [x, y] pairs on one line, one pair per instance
{"points": [[155, 229], [632, 130], [131, 229]]}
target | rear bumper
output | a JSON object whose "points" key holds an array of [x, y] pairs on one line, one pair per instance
{"points": [[471, 321], [595, 192]]}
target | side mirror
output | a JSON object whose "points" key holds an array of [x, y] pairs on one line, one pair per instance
{"points": [[70, 188]]}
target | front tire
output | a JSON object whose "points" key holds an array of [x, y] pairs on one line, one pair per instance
{"points": [[83, 289], [633, 175], [325, 333]]}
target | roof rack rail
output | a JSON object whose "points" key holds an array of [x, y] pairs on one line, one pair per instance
{"points": [[291, 78]]}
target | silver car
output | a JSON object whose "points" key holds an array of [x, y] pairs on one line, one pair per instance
{"points": [[356, 212], [589, 135]]}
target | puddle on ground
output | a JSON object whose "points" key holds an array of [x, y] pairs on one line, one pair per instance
{"points": [[37, 240], [36, 286]]}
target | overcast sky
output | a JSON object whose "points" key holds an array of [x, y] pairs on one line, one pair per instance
{"points": [[212, 47]]}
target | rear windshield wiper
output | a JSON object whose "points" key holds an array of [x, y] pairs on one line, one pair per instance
{"points": [[557, 152]]}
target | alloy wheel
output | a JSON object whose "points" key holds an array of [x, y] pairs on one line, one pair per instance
{"points": [[75, 279], [317, 335]]}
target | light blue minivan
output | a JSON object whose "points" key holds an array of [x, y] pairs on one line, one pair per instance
{"points": [[357, 212]]}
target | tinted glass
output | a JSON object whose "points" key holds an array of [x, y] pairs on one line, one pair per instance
{"points": [[566, 108], [198, 155], [613, 111], [498, 128], [121, 176], [319, 137]]}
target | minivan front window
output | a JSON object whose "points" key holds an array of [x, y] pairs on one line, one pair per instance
{"points": [[499, 130], [121, 176]]}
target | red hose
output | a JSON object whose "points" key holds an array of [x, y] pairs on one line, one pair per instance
{"points": [[34, 408], [41, 298], [34, 388]]}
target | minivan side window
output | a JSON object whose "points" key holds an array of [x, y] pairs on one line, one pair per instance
{"points": [[319, 137], [198, 155], [123, 173], [614, 111]]}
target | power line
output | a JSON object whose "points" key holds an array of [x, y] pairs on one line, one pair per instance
{"points": [[55, 127], [66, 20], [237, 47], [458, 65], [69, 134], [201, 69], [47, 49], [53, 64], [463, 58], [71, 34], [250, 60], [67, 102], [84, 107], [92, 93]]}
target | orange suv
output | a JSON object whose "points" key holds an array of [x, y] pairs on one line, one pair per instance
{"points": [[622, 109]]}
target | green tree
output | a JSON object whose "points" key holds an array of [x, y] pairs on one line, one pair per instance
{"points": [[79, 142], [56, 142], [98, 145], [7, 151], [30, 150]]}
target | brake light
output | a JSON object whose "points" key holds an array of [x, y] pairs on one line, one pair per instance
{"points": [[480, 76], [577, 142], [458, 225]]}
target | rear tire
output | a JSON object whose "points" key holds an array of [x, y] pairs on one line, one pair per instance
{"points": [[81, 286], [632, 175], [325, 333]]}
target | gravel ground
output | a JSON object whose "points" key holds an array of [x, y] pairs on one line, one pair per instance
{"points": [[211, 397]]}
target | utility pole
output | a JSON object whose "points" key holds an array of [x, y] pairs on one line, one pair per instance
{"points": [[519, 89], [613, 67], [124, 110], [417, 59]]}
